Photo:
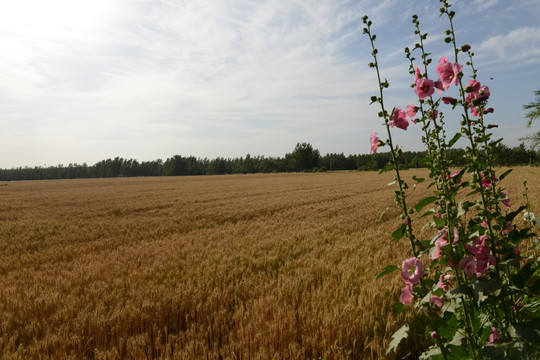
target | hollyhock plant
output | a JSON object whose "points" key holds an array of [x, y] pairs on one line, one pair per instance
{"points": [[468, 278], [399, 119]]}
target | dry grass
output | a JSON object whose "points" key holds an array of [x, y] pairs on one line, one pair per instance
{"points": [[278, 266]]}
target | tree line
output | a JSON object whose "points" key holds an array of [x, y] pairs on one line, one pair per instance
{"points": [[304, 158]]}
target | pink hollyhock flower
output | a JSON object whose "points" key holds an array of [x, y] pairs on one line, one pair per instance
{"points": [[493, 336], [507, 227], [439, 86], [516, 251], [407, 221], [447, 100], [411, 111], [424, 88], [486, 183], [439, 243], [456, 235], [434, 335], [473, 86], [399, 119], [468, 265], [411, 270], [432, 114], [448, 73], [483, 255], [374, 140], [483, 260], [417, 74], [434, 299], [445, 282], [484, 224], [406, 295], [506, 202]]}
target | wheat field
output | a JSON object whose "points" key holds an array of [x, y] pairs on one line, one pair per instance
{"points": [[275, 266]]}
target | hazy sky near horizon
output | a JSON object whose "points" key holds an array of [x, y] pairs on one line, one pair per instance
{"points": [[82, 81]]}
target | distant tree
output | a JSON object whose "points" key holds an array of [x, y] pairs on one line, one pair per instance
{"points": [[304, 157], [532, 115]]}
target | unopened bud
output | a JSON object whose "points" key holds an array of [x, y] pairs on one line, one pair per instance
{"points": [[448, 39], [373, 98], [465, 48]]}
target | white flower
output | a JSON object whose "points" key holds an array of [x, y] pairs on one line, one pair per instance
{"points": [[528, 216]]}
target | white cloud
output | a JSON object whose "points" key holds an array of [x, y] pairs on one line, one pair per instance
{"points": [[520, 46], [482, 5]]}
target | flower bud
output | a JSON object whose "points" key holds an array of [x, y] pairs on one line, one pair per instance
{"points": [[465, 48], [373, 98], [448, 39]]}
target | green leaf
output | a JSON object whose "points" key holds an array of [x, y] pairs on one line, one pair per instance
{"points": [[386, 168], [433, 353], [399, 335], [387, 270], [400, 232], [454, 139], [457, 340], [398, 307], [439, 222], [504, 174], [461, 290], [385, 210], [424, 202], [418, 180], [523, 276]]}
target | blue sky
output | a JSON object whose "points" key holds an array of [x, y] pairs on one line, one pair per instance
{"points": [[81, 81]]}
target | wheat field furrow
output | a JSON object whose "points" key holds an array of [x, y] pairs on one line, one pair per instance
{"points": [[276, 266]]}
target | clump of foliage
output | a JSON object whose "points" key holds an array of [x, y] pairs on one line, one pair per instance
{"points": [[477, 279]]}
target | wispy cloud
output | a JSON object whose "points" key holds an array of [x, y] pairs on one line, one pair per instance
{"points": [[520, 46], [83, 80]]}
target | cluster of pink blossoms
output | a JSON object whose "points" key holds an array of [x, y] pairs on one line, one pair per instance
{"points": [[411, 272], [477, 96], [478, 263]]}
